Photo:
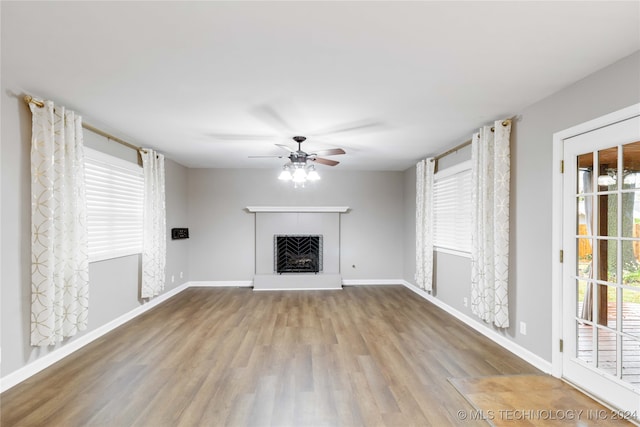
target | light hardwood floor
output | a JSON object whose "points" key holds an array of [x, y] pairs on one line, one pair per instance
{"points": [[230, 356]]}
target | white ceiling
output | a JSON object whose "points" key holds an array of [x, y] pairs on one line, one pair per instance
{"points": [[210, 83]]}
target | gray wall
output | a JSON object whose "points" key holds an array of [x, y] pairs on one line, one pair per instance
{"points": [[409, 212], [177, 217], [223, 233], [15, 223], [114, 284], [605, 91]]}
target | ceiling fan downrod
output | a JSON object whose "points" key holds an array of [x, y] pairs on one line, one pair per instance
{"points": [[299, 140]]}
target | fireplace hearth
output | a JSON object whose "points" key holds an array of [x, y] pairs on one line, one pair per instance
{"points": [[296, 253]]}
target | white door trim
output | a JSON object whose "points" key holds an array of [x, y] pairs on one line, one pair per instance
{"points": [[556, 222]]}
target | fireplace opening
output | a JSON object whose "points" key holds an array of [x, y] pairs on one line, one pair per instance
{"points": [[295, 253]]}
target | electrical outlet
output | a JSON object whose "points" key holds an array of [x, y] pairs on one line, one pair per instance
{"points": [[523, 328], [173, 278], [465, 301], [181, 275]]}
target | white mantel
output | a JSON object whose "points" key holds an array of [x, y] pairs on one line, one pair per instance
{"points": [[274, 220], [339, 209]]}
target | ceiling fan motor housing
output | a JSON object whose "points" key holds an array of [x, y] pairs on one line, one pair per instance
{"points": [[299, 157]]}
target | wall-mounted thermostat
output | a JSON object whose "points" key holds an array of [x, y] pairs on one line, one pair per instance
{"points": [[179, 233]]}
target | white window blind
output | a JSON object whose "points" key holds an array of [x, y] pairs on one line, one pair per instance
{"points": [[115, 192], [452, 209]]}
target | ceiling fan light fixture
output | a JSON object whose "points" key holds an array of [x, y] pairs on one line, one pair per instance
{"points": [[300, 167], [313, 174], [285, 175], [299, 175]]}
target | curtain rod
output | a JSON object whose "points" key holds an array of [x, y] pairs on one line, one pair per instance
{"points": [[30, 100], [450, 151], [464, 144]]}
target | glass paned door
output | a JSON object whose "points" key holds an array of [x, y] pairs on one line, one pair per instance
{"points": [[601, 270]]}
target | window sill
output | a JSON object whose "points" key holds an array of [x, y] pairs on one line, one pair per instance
{"points": [[113, 255]]}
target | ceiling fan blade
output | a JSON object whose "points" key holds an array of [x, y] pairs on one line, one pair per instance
{"points": [[262, 157], [329, 152], [285, 147], [362, 125], [324, 161], [270, 116], [239, 137]]}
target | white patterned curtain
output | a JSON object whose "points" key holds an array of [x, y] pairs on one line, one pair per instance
{"points": [[59, 245], [154, 246], [490, 175], [424, 224]]}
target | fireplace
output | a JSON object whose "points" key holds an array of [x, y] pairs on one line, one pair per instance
{"points": [[322, 223], [297, 253]]}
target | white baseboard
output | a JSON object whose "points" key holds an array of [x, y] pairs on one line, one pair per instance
{"points": [[49, 359], [371, 282], [521, 352], [221, 283]]}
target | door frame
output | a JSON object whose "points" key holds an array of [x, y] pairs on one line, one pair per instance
{"points": [[556, 222]]}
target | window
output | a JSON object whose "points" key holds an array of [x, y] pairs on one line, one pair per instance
{"points": [[115, 193], [452, 209]]}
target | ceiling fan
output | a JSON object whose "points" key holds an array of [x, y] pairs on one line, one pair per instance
{"points": [[271, 116], [301, 166], [300, 158]]}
